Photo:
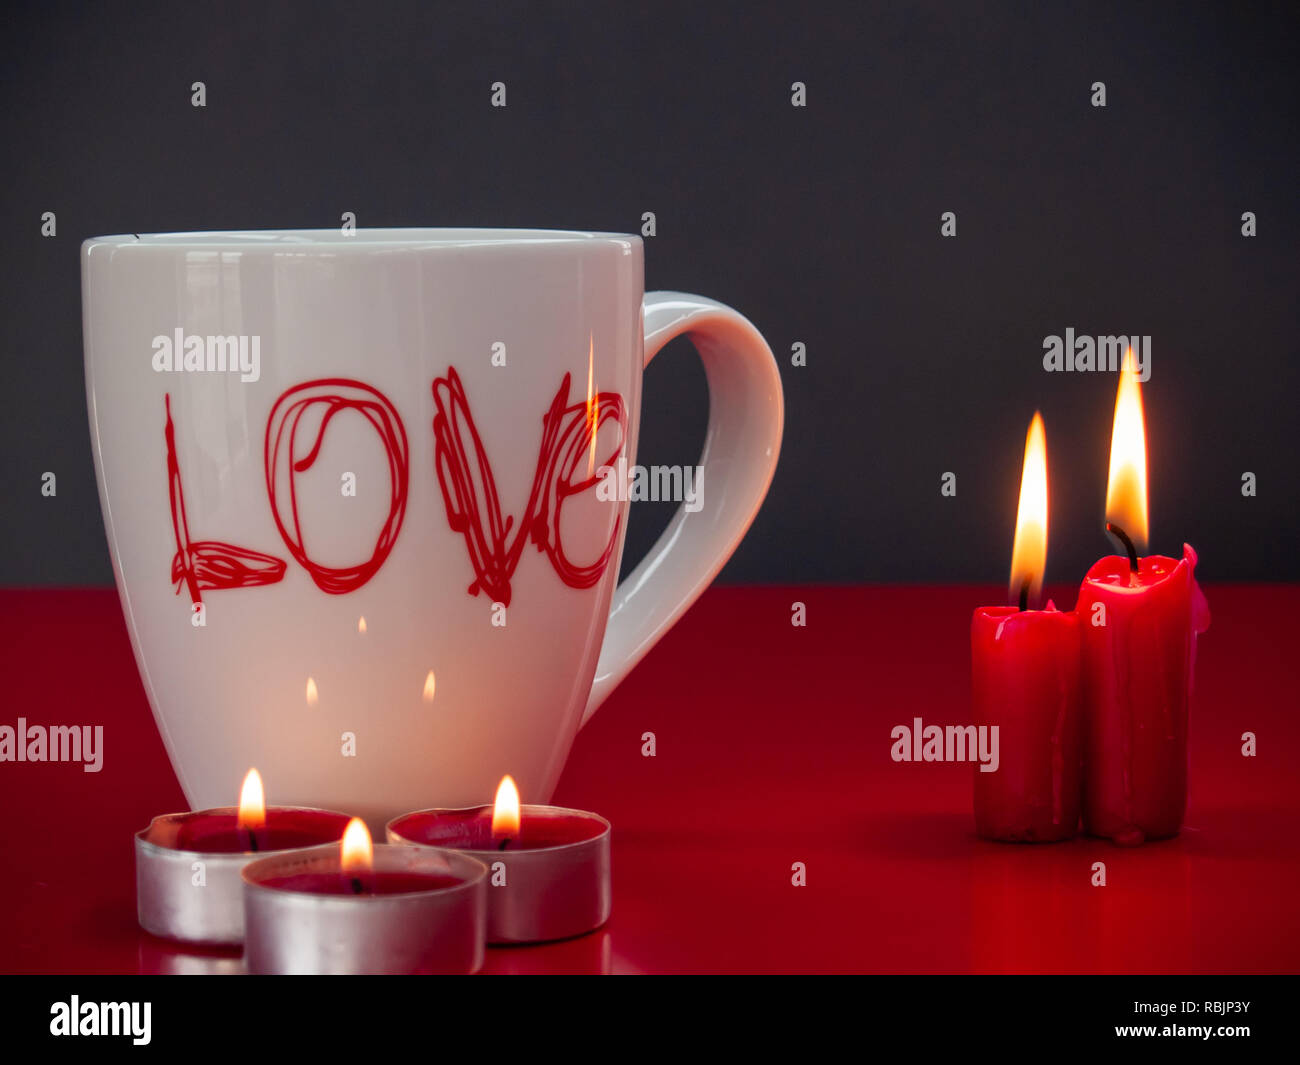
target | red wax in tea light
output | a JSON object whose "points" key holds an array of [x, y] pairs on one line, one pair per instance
{"points": [[217, 831], [1139, 652], [471, 829], [549, 879], [1025, 681], [369, 883], [188, 865]]}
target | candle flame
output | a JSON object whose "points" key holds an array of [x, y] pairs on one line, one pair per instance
{"points": [[312, 697], [356, 851], [429, 687], [252, 802], [505, 811], [593, 403], [1029, 553], [1126, 488], [361, 625]]}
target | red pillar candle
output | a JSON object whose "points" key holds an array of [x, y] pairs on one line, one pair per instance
{"points": [[1025, 680], [1025, 684], [1139, 618]]}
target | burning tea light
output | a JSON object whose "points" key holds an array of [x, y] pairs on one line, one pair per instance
{"points": [[356, 908], [187, 865], [548, 867]]}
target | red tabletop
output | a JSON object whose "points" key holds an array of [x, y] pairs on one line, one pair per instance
{"points": [[772, 748]]}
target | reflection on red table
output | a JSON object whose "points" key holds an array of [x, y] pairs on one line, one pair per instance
{"points": [[772, 748]]}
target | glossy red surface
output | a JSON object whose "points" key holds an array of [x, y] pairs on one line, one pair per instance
{"points": [[472, 829], [217, 831], [772, 747], [371, 884]]}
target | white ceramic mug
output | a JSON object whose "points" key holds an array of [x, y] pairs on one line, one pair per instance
{"points": [[377, 558]]}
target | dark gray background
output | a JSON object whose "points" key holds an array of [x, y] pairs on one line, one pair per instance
{"points": [[821, 224]]}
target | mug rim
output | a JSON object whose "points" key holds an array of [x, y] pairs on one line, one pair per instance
{"points": [[335, 239]]}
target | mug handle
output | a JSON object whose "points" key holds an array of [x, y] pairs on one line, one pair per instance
{"points": [[746, 413]]}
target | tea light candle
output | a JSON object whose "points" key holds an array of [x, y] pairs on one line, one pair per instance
{"points": [[187, 865], [360, 909], [548, 866]]}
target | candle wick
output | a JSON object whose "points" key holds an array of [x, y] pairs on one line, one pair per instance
{"points": [[1024, 595], [356, 885], [252, 840], [504, 844], [1122, 537]]}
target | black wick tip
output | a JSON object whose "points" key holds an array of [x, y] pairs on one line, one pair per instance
{"points": [[1024, 596], [504, 844], [356, 885], [252, 840], [1122, 537]]}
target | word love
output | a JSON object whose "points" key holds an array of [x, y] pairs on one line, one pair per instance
{"points": [[295, 432]]}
